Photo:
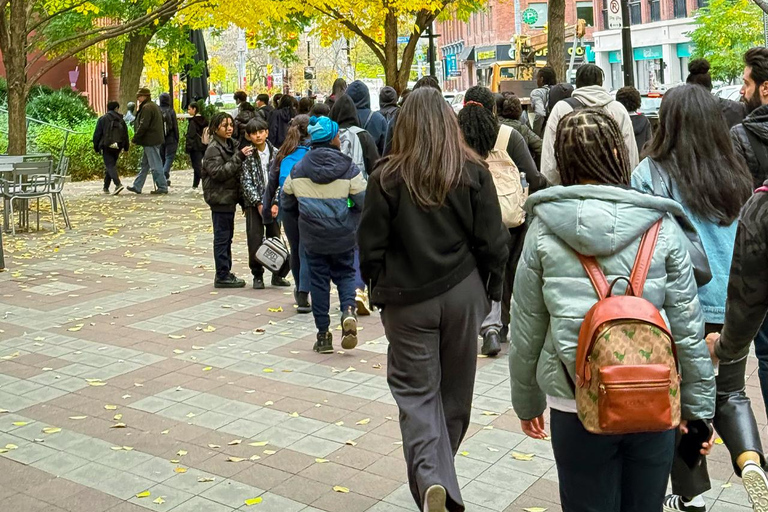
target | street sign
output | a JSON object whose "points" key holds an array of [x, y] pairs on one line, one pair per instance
{"points": [[277, 79], [403, 39], [530, 16], [309, 73], [614, 14]]}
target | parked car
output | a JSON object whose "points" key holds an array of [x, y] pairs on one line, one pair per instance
{"points": [[457, 103], [729, 92]]}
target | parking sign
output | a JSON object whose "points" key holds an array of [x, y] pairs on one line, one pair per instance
{"points": [[614, 14]]}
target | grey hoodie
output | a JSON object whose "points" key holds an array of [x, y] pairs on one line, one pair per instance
{"points": [[593, 96], [552, 292]]}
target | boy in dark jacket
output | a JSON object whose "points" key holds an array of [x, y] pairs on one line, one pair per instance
{"points": [[325, 192], [254, 181], [109, 138], [150, 135], [171, 130], [222, 166]]}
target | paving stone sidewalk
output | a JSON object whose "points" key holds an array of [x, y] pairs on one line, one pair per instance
{"points": [[128, 383]]}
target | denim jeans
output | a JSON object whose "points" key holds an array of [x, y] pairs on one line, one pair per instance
{"points": [[151, 160], [169, 153], [223, 230], [324, 268]]}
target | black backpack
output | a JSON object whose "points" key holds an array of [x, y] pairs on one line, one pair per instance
{"points": [[114, 135], [168, 117]]}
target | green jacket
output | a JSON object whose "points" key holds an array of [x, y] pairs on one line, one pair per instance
{"points": [[149, 129], [552, 293]]}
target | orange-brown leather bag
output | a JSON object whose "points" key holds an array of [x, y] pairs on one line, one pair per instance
{"points": [[626, 362]]}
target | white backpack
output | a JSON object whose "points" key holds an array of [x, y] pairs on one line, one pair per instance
{"points": [[351, 146], [506, 177]]}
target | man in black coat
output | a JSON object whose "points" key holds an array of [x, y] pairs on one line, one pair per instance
{"points": [[150, 135], [109, 138]]}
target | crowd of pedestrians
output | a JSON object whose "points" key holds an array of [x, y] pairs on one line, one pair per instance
{"points": [[625, 266]]}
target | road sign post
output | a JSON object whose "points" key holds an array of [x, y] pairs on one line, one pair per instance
{"points": [[627, 59]]}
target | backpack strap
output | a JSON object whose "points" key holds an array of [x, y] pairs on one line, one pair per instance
{"points": [[575, 103], [596, 275], [502, 139], [643, 259], [365, 125]]}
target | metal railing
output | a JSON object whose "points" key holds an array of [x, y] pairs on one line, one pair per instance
{"points": [[31, 146]]}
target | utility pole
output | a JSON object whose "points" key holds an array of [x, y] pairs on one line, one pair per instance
{"points": [[241, 47], [431, 53], [309, 63], [627, 58], [765, 27], [518, 18]]}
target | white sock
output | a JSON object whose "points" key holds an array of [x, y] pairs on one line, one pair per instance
{"points": [[696, 501]]}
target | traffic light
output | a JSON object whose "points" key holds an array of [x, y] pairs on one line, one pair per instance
{"points": [[309, 73]]}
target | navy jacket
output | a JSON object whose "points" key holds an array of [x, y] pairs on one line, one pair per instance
{"points": [[318, 192], [372, 122]]}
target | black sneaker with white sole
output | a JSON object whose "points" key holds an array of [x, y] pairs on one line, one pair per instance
{"points": [[673, 503], [324, 343], [756, 484], [349, 329]]}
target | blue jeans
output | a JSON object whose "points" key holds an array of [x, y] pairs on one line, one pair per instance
{"points": [[223, 230], [761, 351], [324, 268], [168, 154], [151, 160], [359, 283]]}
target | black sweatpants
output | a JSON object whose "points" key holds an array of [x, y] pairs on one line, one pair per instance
{"points": [[196, 157], [255, 231], [110, 157], [610, 473], [431, 372]]}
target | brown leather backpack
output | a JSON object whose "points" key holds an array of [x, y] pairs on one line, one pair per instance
{"points": [[626, 362]]}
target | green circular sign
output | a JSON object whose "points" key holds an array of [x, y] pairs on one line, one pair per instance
{"points": [[530, 16]]}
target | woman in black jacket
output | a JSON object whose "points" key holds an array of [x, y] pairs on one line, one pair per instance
{"points": [[222, 167], [194, 141], [280, 121], [433, 246]]}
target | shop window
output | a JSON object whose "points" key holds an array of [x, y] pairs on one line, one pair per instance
{"points": [[635, 13], [541, 9], [585, 11], [605, 14], [655, 10], [702, 3], [680, 9]]}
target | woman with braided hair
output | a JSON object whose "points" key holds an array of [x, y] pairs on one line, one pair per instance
{"points": [[596, 214], [481, 129]]}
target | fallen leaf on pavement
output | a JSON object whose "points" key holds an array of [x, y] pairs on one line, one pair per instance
{"points": [[523, 456], [364, 422], [144, 494], [253, 501], [339, 488]]}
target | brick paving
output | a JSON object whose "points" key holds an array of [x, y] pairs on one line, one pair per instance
{"points": [[123, 372]]}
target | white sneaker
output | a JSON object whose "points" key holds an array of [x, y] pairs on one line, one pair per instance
{"points": [[434, 499], [361, 303], [755, 482]]}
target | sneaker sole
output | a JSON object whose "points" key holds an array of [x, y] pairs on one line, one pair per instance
{"points": [[325, 351], [435, 499], [303, 311], [220, 285], [757, 490], [349, 330], [362, 308], [117, 192]]}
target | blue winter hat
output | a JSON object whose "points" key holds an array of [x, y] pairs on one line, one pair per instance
{"points": [[322, 129]]}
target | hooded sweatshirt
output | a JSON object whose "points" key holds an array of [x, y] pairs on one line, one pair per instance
{"points": [[552, 292], [593, 96], [388, 103], [373, 122], [344, 112], [318, 193], [194, 137], [170, 122], [279, 122], [756, 124]]}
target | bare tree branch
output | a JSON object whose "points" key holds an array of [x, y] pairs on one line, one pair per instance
{"points": [[763, 4]]}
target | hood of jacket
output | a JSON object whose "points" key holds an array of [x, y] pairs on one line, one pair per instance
{"points": [[282, 114], [199, 121], [360, 94], [165, 100], [387, 97], [593, 96], [757, 122], [114, 114], [599, 220], [325, 164], [344, 112]]}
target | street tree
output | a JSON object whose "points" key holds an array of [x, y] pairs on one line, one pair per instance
{"points": [[725, 29], [556, 37], [37, 35], [377, 23]]}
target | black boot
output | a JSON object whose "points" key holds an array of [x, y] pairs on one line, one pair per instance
{"points": [[258, 283], [302, 300], [491, 345], [349, 329], [229, 282], [324, 343], [280, 281]]}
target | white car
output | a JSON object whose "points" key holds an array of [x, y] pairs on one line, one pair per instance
{"points": [[457, 103], [729, 92]]}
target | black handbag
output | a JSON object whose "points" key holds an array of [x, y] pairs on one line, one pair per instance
{"points": [[662, 186]]}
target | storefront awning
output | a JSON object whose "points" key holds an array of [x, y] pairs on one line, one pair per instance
{"points": [[468, 53]]}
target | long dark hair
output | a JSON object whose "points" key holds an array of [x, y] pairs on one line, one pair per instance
{"points": [[589, 148], [694, 147], [339, 87], [477, 120], [428, 152], [297, 133]]}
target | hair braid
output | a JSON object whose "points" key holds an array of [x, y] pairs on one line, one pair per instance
{"points": [[590, 148]]}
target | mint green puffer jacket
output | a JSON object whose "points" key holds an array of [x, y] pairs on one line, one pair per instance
{"points": [[552, 293]]}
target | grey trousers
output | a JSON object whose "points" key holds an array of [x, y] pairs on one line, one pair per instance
{"points": [[431, 372]]}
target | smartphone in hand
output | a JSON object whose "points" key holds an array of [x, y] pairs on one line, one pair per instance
{"points": [[699, 432]]}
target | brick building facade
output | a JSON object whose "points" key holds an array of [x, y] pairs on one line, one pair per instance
{"points": [[660, 42], [469, 49]]}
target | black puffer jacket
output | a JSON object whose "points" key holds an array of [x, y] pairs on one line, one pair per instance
{"points": [[222, 165], [757, 124], [244, 116], [734, 112]]}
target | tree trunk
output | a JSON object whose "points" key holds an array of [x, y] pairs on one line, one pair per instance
{"points": [[390, 51], [133, 67], [556, 38], [15, 60], [763, 4]]}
